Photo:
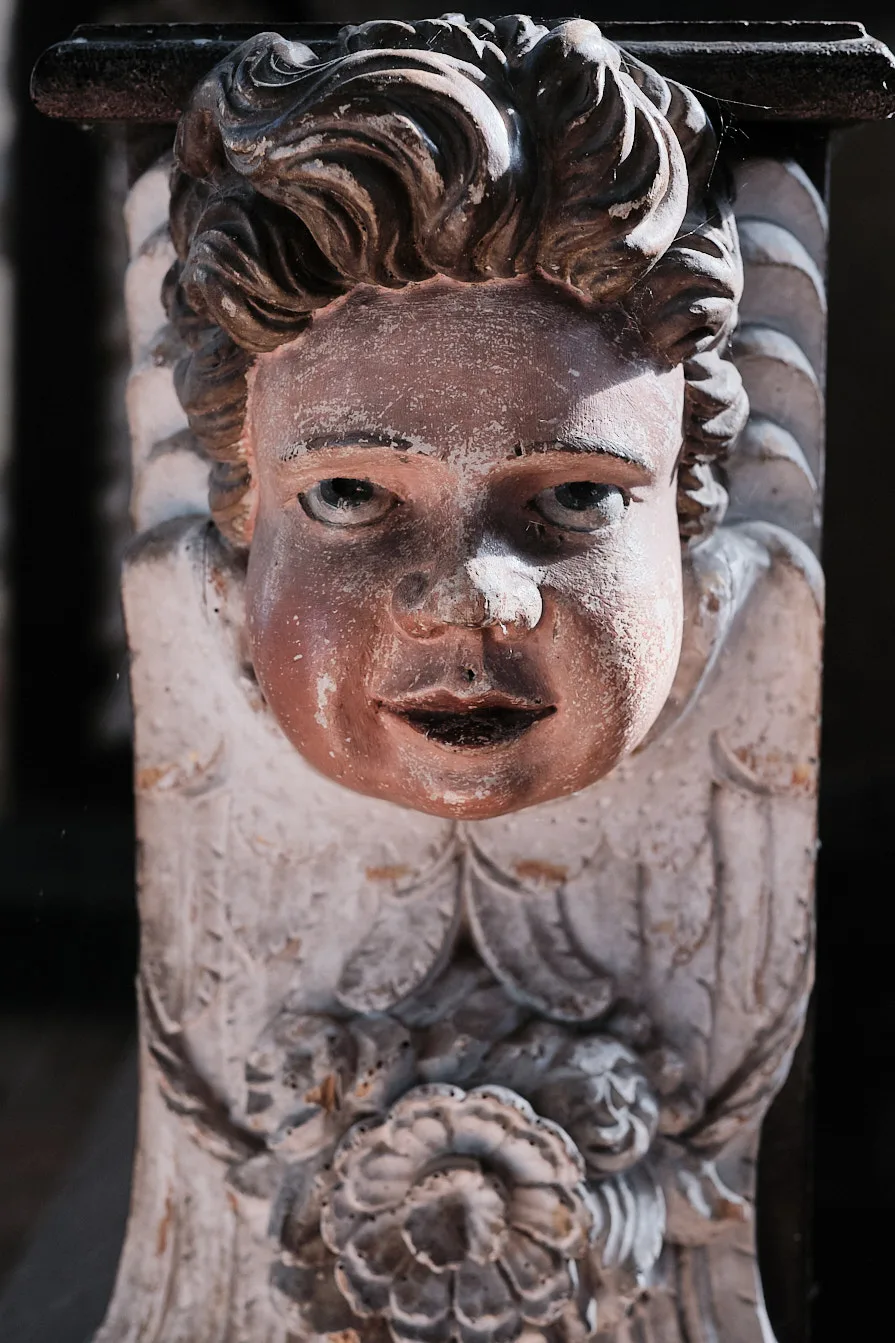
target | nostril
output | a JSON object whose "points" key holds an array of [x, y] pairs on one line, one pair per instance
{"points": [[412, 589], [468, 674]]}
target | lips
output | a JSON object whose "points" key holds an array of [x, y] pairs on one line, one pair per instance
{"points": [[492, 720]]}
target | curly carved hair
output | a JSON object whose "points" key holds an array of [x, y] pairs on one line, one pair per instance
{"points": [[474, 150]]}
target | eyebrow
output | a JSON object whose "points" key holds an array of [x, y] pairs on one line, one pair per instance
{"points": [[583, 443], [574, 443], [357, 440]]}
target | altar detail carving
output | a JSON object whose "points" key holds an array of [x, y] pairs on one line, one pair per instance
{"points": [[467, 1051]]}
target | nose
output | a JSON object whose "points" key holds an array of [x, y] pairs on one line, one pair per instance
{"points": [[483, 592]]}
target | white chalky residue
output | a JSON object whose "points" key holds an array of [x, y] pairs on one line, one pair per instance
{"points": [[453, 799], [325, 687], [509, 588]]}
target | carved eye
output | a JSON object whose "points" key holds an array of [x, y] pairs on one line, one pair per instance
{"points": [[345, 502], [581, 505]]}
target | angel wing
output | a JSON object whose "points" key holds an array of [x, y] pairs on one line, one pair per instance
{"points": [[779, 348], [683, 882], [262, 884], [186, 1091]]}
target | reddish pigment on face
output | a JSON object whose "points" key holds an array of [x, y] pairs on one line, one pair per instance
{"points": [[464, 585]]}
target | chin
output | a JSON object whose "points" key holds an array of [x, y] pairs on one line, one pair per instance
{"points": [[471, 770], [452, 804], [492, 789]]}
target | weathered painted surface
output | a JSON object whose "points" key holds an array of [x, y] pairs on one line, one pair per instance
{"points": [[416, 1075]]}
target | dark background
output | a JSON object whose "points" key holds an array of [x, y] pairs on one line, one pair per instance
{"points": [[68, 935]]}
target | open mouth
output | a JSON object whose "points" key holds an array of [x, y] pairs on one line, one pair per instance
{"points": [[475, 727]]}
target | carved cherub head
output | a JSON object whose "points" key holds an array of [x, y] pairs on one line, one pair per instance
{"points": [[456, 304]]}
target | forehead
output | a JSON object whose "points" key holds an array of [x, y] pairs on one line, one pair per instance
{"points": [[453, 369]]}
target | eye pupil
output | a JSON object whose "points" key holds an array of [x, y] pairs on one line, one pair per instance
{"points": [[580, 495], [345, 501], [581, 505], [345, 492]]}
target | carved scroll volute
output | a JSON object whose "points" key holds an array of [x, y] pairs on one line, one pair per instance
{"points": [[420, 1063]]}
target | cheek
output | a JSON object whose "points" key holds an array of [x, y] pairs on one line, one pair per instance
{"points": [[311, 610], [624, 603]]}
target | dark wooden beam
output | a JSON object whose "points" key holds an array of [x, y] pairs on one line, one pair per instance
{"points": [[828, 74]]}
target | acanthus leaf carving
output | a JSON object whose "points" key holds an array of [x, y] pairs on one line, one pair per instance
{"points": [[378, 1178]]}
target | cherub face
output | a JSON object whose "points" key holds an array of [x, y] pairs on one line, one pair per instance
{"points": [[464, 585]]}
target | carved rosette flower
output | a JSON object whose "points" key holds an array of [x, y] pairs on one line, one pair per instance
{"points": [[309, 1076], [458, 1216], [602, 1096]]}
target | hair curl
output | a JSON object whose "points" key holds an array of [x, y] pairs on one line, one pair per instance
{"points": [[474, 150]]}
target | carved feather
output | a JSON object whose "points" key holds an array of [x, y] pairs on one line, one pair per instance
{"points": [[410, 940], [186, 1091], [779, 348], [743, 1098], [526, 938]]}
